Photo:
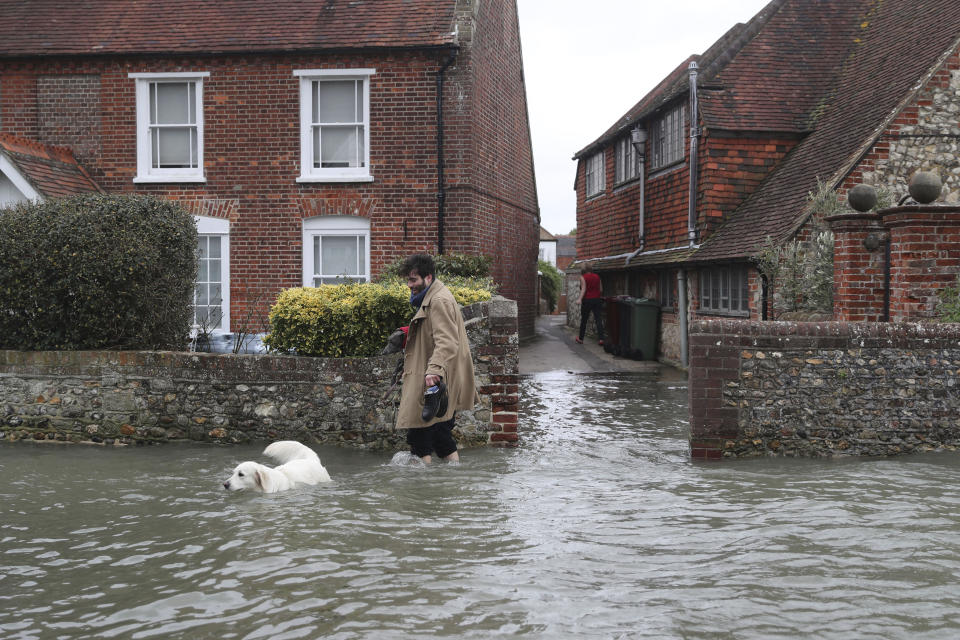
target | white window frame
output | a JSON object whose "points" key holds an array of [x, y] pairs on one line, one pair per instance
{"points": [[594, 178], [333, 226], [309, 173], [209, 226], [725, 291], [146, 172], [668, 138], [626, 164]]}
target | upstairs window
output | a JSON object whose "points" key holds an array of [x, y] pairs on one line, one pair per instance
{"points": [[667, 138], [335, 125], [725, 291], [169, 127], [594, 171], [626, 166]]}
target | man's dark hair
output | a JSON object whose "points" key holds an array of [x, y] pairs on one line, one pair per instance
{"points": [[421, 263]]}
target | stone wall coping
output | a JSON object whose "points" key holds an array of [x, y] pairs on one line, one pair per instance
{"points": [[869, 216], [920, 215], [934, 331]]}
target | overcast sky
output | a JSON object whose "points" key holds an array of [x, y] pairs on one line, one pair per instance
{"points": [[587, 63]]}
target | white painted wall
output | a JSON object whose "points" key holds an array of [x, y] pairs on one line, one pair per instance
{"points": [[548, 251], [9, 194]]}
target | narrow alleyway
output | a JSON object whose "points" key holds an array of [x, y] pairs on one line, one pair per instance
{"points": [[554, 349]]}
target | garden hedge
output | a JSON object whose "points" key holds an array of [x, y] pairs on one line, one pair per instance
{"points": [[96, 272], [337, 321]]}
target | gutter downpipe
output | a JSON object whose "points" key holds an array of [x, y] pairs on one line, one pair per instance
{"points": [[886, 281], [638, 137], [682, 313], [691, 217], [694, 140], [441, 185]]}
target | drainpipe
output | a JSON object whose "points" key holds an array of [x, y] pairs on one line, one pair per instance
{"points": [[441, 185], [682, 313], [764, 293], [638, 137], [694, 139], [886, 281]]}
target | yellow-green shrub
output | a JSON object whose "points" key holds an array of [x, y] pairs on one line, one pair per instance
{"points": [[337, 321]]}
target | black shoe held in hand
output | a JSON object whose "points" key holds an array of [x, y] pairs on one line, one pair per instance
{"points": [[434, 402]]}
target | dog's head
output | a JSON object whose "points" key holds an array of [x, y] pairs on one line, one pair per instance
{"points": [[247, 475]]}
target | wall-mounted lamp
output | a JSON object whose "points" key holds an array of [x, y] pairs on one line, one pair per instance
{"points": [[638, 137]]}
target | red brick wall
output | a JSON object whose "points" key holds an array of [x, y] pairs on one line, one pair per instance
{"points": [[492, 200], [924, 250], [609, 224], [733, 166], [252, 154], [858, 272], [730, 168], [68, 114]]}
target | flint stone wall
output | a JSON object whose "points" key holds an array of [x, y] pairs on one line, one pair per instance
{"points": [[124, 397], [816, 389]]}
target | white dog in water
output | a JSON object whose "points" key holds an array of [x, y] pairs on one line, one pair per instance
{"points": [[299, 464]]}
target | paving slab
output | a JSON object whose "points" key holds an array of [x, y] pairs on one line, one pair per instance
{"points": [[554, 348]]}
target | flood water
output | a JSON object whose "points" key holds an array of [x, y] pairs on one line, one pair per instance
{"points": [[598, 526]]}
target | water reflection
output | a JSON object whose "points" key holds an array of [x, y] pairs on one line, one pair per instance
{"points": [[599, 526]]}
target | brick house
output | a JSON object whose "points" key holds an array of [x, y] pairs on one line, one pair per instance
{"points": [[678, 196], [312, 140]]}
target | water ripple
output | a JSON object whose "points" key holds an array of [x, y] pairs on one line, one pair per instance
{"points": [[598, 526]]}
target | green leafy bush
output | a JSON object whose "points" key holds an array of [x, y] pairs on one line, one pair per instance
{"points": [[337, 321], [454, 270], [96, 272], [948, 304], [464, 266], [552, 283]]}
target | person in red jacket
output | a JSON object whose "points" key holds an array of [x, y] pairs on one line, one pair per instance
{"points": [[591, 301]]}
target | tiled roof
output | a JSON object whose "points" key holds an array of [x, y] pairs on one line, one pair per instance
{"points": [[676, 84], [566, 246], [651, 259], [58, 27], [776, 82], [52, 171], [892, 46], [546, 235]]}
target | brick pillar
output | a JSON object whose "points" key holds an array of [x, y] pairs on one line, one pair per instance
{"points": [[714, 361], [504, 368], [924, 257], [859, 250]]}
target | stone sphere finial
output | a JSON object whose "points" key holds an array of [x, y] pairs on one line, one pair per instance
{"points": [[925, 186], [862, 198]]}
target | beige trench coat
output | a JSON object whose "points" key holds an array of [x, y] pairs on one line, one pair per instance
{"points": [[436, 344]]}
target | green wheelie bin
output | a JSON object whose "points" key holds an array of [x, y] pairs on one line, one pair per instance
{"points": [[644, 328]]}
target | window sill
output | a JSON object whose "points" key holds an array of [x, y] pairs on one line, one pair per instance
{"points": [[666, 169], [309, 179], [626, 183], [168, 179], [594, 196], [725, 314]]}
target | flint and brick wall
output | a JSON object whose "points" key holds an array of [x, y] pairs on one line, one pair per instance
{"points": [[124, 397], [822, 389]]}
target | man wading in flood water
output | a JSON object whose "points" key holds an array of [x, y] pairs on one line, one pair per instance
{"points": [[438, 375]]}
